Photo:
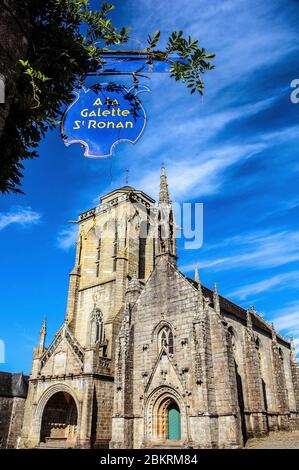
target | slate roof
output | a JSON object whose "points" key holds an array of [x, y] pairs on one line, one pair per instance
{"points": [[239, 312], [13, 385], [128, 189]]}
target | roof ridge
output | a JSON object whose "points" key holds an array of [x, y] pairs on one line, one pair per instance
{"points": [[258, 317]]}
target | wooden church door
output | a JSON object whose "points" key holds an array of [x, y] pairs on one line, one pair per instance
{"points": [[174, 423]]}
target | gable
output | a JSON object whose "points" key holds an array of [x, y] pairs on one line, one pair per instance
{"points": [[63, 360], [163, 373], [165, 285], [64, 355]]}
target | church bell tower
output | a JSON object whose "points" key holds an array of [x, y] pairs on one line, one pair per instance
{"points": [[70, 399]]}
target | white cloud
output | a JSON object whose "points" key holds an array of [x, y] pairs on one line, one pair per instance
{"points": [[258, 250], [285, 134], [19, 215], [257, 37], [286, 320], [209, 125], [202, 126], [281, 207], [279, 281], [198, 179], [180, 125], [66, 238], [208, 176]]}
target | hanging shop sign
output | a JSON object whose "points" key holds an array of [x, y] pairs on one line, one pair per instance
{"points": [[102, 116]]}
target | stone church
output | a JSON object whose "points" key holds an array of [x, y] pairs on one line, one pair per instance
{"points": [[147, 357]]}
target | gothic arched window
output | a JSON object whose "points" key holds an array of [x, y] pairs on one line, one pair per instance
{"points": [[99, 326], [98, 256], [115, 245], [280, 353], [79, 249], [97, 333], [232, 336], [171, 229], [142, 249], [166, 339]]}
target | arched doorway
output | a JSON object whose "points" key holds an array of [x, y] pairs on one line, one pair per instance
{"points": [[174, 422], [59, 420], [165, 416], [169, 420]]}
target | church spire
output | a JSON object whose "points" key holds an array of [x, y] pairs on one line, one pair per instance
{"points": [[42, 337], [196, 274], [166, 227], [163, 194]]}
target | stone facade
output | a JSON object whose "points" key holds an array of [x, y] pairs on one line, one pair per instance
{"points": [[230, 378], [13, 392], [295, 377], [147, 357], [78, 366]]}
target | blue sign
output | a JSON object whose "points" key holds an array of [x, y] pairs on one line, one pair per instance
{"points": [[119, 63], [102, 116]]}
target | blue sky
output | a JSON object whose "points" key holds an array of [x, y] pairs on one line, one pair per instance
{"points": [[235, 150]]}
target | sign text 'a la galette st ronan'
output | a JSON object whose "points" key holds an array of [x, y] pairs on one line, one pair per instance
{"points": [[101, 117]]}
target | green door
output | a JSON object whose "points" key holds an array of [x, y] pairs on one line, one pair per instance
{"points": [[174, 423]]}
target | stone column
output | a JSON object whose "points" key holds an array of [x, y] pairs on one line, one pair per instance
{"points": [[227, 426], [84, 438], [256, 424], [122, 424], [204, 398]]}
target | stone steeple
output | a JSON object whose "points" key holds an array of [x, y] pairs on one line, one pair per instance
{"points": [[42, 337], [141, 337], [166, 237], [196, 274], [164, 193]]}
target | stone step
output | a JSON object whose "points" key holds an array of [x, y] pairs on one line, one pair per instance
{"points": [[167, 445], [56, 444]]}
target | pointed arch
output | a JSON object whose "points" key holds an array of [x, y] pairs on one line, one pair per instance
{"points": [[74, 410], [79, 249], [97, 333], [165, 338], [171, 231], [163, 229], [142, 248], [98, 255], [165, 415], [115, 245]]}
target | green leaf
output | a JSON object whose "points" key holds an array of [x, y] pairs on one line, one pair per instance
{"points": [[68, 38]]}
